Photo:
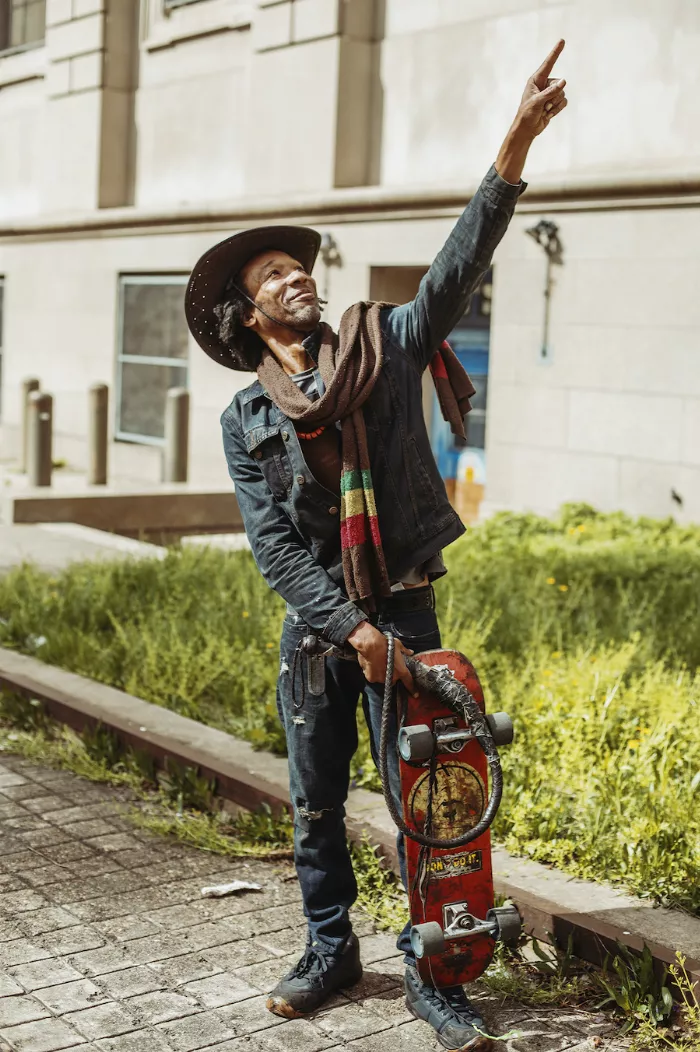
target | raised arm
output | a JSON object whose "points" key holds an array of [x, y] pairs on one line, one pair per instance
{"points": [[445, 291]]}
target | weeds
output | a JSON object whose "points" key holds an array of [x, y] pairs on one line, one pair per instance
{"points": [[583, 628], [682, 1035], [631, 986], [554, 976]]}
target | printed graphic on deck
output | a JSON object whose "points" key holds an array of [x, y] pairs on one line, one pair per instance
{"points": [[459, 799]]}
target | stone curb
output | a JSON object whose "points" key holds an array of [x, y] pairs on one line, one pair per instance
{"points": [[596, 915]]}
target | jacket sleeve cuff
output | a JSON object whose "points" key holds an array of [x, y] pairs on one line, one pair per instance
{"points": [[496, 185], [340, 624]]}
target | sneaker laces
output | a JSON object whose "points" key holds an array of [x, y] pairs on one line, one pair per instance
{"points": [[456, 999], [313, 961]]}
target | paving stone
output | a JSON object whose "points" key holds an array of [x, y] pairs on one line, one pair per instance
{"points": [[14, 1010], [8, 986], [141, 856], [71, 997], [299, 1035], [373, 985], [93, 867], [250, 1016], [147, 1040], [265, 976], [116, 883], [44, 838], [198, 1031], [106, 907], [186, 969], [160, 1006], [389, 1005], [22, 860], [73, 940], [10, 779], [41, 974], [219, 990], [113, 842], [10, 810], [52, 918], [65, 815], [172, 944], [410, 1037], [283, 942], [378, 947], [41, 876], [350, 1021], [131, 981], [8, 883], [105, 959], [91, 828], [9, 845], [45, 804], [122, 929], [21, 951], [21, 901], [67, 851], [107, 1020], [25, 820], [26, 791], [239, 954], [45, 1035], [181, 916]]}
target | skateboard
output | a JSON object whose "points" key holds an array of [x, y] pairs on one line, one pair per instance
{"points": [[444, 789]]}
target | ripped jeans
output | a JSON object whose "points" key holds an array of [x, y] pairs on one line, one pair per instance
{"points": [[320, 721]]}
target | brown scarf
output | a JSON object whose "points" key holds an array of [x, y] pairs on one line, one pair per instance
{"points": [[349, 365]]}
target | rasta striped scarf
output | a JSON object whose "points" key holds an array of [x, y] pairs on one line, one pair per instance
{"points": [[350, 364]]}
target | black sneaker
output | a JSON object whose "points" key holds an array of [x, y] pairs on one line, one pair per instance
{"points": [[314, 979], [454, 1019]]}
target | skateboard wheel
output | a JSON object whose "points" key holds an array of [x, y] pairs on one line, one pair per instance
{"points": [[427, 939], [501, 727], [508, 922], [416, 743]]}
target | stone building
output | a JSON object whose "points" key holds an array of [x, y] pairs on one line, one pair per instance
{"points": [[135, 133]]}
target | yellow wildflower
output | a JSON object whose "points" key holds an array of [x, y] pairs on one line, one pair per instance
{"points": [[551, 580], [633, 743], [270, 646], [547, 672], [245, 614], [581, 528], [563, 588], [556, 654], [644, 730]]}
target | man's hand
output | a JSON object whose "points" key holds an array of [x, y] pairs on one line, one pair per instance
{"points": [[543, 97], [372, 648]]}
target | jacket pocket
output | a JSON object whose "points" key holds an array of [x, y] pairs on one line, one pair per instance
{"points": [[422, 483], [273, 460]]}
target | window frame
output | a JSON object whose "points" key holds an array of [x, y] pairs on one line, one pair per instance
{"points": [[171, 5], [173, 278], [27, 45]]}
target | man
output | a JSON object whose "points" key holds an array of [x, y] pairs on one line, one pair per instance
{"points": [[347, 516]]}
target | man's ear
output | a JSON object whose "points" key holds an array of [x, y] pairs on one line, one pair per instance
{"points": [[250, 321]]}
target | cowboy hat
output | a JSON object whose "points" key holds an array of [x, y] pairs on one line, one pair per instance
{"points": [[211, 274]]}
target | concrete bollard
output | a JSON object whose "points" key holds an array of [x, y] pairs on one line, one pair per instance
{"points": [[29, 385], [177, 428], [98, 427], [40, 439]]}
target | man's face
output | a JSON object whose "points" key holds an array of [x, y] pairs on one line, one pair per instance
{"points": [[279, 284]]}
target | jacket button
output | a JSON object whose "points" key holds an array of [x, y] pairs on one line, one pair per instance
{"points": [[258, 454], [285, 436], [333, 510], [301, 480]]}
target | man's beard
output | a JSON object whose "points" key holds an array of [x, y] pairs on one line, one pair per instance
{"points": [[305, 316]]}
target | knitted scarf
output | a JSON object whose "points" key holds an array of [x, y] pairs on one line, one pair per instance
{"points": [[350, 364]]}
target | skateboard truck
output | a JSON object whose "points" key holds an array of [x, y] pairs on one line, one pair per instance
{"points": [[419, 741], [502, 923]]}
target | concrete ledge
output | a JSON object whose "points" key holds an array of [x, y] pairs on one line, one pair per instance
{"points": [[173, 509], [597, 915]]}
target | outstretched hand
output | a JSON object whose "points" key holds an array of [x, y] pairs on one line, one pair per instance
{"points": [[544, 96]]}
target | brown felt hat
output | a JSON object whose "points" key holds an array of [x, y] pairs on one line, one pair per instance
{"points": [[208, 280]]}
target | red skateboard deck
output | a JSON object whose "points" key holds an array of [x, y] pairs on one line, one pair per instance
{"points": [[447, 886]]}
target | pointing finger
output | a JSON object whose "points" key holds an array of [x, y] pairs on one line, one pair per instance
{"points": [[548, 64]]}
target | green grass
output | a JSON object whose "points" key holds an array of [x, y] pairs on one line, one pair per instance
{"points": [[585, 629]]}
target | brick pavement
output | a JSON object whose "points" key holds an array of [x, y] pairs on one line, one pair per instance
{"points": [[107, 945]]}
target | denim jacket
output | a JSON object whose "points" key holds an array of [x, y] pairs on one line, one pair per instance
{"points": [[291, 520]]}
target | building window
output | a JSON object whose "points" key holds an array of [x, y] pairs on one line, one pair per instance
{"points": [[152, 353], [22, 23]]}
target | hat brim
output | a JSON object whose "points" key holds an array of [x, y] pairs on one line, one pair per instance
{"points": [[212, 272]]}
